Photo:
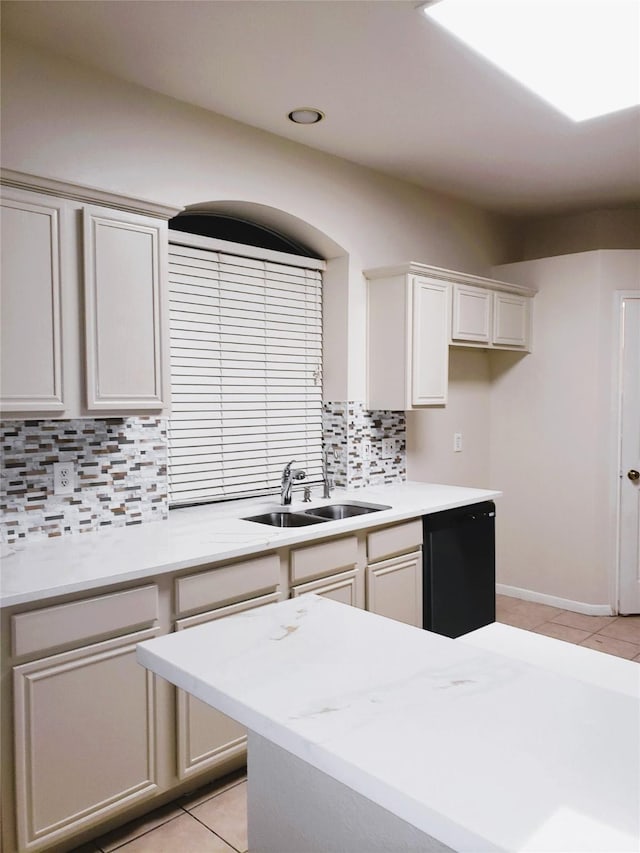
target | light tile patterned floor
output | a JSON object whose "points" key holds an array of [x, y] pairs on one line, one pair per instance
{"points": [[214, 818], [615, 635], [211, 820]]}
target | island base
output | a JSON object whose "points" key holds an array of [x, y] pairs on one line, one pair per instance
{"points": [[295, 808]]}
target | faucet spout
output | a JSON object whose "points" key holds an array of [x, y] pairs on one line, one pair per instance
{"points": [[289, 474]]}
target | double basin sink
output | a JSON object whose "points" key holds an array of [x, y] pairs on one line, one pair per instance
{"points": [[316, 515]]}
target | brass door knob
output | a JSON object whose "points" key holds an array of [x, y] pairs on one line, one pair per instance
{"points": [[633, 474]]}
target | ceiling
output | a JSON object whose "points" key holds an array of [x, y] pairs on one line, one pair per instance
{"points": [[400, 95]]}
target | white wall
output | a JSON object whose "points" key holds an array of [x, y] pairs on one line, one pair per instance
{"points": [[66, 121], [553, 429]]}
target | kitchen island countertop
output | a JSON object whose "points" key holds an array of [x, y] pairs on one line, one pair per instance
{"points": [[197, 536], [477, 750]]}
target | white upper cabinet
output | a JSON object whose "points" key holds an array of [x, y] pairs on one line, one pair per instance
{"points": [[408, 336], [64, 257], [491, 314], [416, 311], [471, 314], [30, 294], [125, 309], [511, 320]]}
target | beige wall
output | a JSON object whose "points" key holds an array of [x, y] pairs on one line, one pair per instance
{"points": [[527, 422], [69, 122], [543, 237], [430, 454], [553, 429]]}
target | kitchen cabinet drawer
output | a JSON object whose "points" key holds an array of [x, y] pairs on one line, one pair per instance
{"points": [[342, 587], [83, 621], [315, 561], [397, 539], [229, 583]]}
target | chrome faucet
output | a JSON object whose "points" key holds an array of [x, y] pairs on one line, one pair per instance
{"points": [[288, 476], [327, 481]]}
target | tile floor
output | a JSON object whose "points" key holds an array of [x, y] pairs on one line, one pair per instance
{"points": [[615, 635], [214, 819]]}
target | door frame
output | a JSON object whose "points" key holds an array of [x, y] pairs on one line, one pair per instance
{"points": [[616, 479]]}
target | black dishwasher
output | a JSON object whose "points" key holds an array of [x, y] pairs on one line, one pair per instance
{"points": [[459, 582]]}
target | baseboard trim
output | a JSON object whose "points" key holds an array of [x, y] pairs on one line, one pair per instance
{"points": [[554, 601]]}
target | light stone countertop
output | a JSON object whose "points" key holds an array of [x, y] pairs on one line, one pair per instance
{"points": [[197, 536], [480, 750]]}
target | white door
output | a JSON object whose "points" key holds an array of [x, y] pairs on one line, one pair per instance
{"points": [[630, 457]]}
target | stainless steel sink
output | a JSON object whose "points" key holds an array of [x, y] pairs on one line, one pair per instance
{"points": [[345, 510], [285, 519]]}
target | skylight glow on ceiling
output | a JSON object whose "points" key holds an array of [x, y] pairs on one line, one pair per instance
{"points": [[581, 56]]}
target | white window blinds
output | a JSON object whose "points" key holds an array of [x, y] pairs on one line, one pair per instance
{"points": [[246, 361]]}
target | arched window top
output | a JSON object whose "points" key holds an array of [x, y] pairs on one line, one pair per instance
{"points": [[237, 230]]}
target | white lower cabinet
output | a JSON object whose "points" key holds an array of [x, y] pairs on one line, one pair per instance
{"points": [[394, 572], [333, 569], [85, 715], [342, 587], [84, 739], [96, 738], [206, 738], [394, 588]]}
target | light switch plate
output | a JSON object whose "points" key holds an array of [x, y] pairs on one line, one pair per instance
{"points": [[388, 448]]}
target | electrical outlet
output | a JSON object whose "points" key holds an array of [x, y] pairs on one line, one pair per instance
{"points": [[457, 442], [64, 478], [366, 450], [388, 448]]}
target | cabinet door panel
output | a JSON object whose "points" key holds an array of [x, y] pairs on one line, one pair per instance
{"points": [[394, 589], [79, 759], [207, 737], [511, 320], [471, 320], [125, 310], [31, 335], [430, 343]]}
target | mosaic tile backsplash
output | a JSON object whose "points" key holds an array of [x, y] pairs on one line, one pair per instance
{"points": [[365, 448], [120, 467]]}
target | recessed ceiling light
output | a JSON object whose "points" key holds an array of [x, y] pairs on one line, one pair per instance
{"points": [[306, 115], [581, 56]]}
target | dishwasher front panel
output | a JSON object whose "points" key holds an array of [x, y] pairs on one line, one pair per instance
{"points": [[459, 583]]}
